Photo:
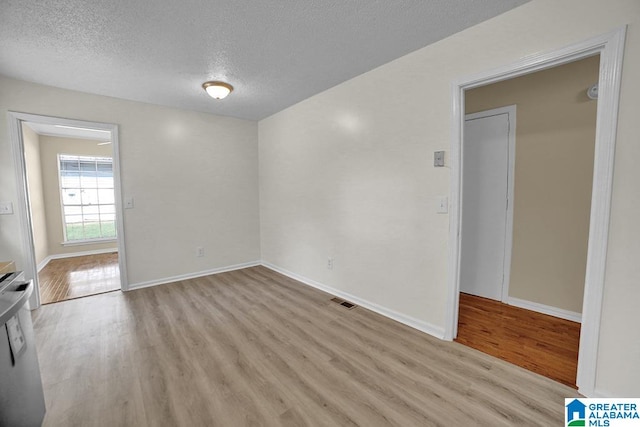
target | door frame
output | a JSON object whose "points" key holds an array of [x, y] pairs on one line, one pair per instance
{"points": [[610, 47], [24, 215], [510, 111]]}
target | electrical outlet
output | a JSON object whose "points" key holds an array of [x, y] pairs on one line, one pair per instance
{"points": [[330, 263], [199, 251]]}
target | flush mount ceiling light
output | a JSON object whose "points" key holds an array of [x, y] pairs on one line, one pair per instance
{"points": [[217, 90]]}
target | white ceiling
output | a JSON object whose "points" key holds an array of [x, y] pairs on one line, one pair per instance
{"points": [[69, 132], [275, 52]]}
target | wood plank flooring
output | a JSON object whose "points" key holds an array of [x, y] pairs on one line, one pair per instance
{"points": [[68, 278], [252, 347], [543, 344]]}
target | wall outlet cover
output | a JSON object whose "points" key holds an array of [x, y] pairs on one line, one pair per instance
{"points": [[6, 208], [442, 205]]}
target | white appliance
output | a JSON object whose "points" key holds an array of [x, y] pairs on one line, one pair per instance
{"points": [[21, 395]]}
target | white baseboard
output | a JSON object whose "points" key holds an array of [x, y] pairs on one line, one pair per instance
{"points": [[42, 264], [599, 394], [428, 328], [187, 276], [45, 261], [545, 309]]}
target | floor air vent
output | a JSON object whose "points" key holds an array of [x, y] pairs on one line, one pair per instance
{"points": [[344, 303]]}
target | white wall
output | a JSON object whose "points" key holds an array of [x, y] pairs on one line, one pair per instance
{"points": [[193, 177], [348, 173]]}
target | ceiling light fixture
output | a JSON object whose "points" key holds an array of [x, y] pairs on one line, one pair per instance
{"points": [[217, 90]]}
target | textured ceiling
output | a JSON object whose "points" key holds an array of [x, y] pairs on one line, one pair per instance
{"points": [[275, 52]]}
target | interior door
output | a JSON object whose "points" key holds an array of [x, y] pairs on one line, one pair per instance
{"points": [[484, 205]]}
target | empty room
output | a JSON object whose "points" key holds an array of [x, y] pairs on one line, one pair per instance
{"points": [[311, 213]]}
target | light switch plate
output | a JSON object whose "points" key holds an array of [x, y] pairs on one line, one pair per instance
{"points": [[6, 208], [442, 205], [128, 203]]}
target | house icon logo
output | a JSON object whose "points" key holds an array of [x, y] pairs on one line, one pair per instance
{"points": [[576, 413]]}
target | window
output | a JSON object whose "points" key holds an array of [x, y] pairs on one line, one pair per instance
{"points": [[88, 201]]}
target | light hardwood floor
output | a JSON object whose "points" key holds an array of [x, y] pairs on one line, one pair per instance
{"points": [[252, 347], [76, 277]]}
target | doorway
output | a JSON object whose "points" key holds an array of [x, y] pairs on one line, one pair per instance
{"points": [[70, 209], [610, 48], [551, 174]]}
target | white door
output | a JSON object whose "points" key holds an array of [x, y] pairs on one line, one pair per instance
{"points": [[485, 227]]}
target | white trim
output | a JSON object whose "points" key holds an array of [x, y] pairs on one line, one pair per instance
{"points": [[45, 261], [545, 309], [15, 120], [510, 111], [42, 264], [610, 46], [89, 242], [22, 209], [188, 276], [122, 258], [611, 56], [428, 328], [601, 394]]}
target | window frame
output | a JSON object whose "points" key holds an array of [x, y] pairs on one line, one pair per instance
{"points": [[85, 241]]}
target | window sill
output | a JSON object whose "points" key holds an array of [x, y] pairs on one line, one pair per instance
{"points": [[88, 242]]}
